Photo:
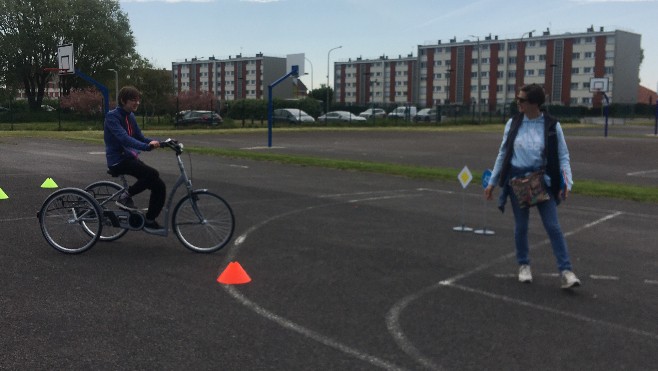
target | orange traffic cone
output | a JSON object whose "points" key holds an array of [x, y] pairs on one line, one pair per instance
{"points": [[234, 274]]}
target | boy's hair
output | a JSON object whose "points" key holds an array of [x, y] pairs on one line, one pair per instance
{"points": [[128, 93], [535, 94]]}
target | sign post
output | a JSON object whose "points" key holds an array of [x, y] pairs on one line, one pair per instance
{"points": [[465, 178], [485, 182]]}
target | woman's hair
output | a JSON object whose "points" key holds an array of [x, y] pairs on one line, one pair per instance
{"points": [[128, 93], [535, 94]]}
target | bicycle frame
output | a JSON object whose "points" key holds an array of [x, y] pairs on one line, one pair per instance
{"points": [[183, 179]]}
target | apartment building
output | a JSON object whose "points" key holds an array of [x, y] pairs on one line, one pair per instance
{"points": [[383, 80], [489, 71], [233, 78]]}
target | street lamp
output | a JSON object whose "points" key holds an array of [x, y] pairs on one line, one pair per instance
{"points": [[311, 64], [116, 85], [328, 53], [517, 53], [479, 80]]}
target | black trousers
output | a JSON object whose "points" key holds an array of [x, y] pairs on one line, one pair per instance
{"points": [[147, 178]]}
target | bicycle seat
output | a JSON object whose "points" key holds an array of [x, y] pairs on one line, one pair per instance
{"points": [[113, 173]]}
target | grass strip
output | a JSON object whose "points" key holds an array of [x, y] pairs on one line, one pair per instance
{"points": [[594, 188], [582, 187]]}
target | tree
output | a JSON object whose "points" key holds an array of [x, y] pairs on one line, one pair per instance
{"points": [[31, 30], [154, 84]]}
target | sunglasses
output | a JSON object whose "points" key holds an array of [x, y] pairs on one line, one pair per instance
{"points": [[521, 100]]}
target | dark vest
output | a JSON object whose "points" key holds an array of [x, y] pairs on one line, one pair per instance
{"points": [[550, 152]]}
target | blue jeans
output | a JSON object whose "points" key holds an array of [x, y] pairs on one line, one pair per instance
{"points": [[548, 212]]}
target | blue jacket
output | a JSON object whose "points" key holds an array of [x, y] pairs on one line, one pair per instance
{"points": [[123, 138]]}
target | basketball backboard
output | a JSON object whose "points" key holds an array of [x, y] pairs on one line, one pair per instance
{"points": [[295, 60], [66, 59], [598, 85]]}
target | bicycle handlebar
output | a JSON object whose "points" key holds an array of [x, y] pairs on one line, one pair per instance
{"points": [[173, 144]]}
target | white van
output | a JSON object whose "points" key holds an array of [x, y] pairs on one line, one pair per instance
{"points": [[403, 112]]}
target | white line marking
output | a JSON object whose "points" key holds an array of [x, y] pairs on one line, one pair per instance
{"points": [[393, 316], [651, 282], [505, 275], [263, 147], [286, 323], [239, 166], [575, 316], [290, 325], [598, 277], [636, 173]]}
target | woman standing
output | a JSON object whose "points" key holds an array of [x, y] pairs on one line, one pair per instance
{"points": [[533, 141]]}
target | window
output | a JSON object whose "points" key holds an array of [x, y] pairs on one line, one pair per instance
{"points": [[574, 86], [529, 72], [587, 70], [541, 72], [512, 60], [529, 58], [542, 57], [589, 55], [484, 60], [575, 70], [609, 55], [609, 70], [576, 56]]}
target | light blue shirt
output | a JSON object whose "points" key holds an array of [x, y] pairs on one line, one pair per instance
{"points": [[529, 147]]}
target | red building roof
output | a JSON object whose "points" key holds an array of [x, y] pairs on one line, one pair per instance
{"points": [[646, 95]]}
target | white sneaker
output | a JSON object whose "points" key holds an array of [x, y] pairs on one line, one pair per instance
{"points": [[524, 273], [569, 279]]}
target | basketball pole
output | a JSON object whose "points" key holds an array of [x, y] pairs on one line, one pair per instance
{"points": [[605, 111], [294, 71]]}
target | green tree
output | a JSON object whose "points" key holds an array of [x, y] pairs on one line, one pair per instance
{"points": [[320, 94], [154, 84], [31, 30]]}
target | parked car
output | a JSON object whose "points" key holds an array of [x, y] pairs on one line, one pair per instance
{"points": [[291, 115], [198, 117], [341, 116], [4, 109], [426, 115], [373, 113], [403, 112], [47, 108]]}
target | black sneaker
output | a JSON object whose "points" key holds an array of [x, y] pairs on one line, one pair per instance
{"points": [[152, 226], [126, 202]]}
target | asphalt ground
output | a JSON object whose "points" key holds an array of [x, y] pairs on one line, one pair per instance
{"points": [[350, 271]]}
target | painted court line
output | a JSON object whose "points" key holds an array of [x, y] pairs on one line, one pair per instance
{"points": [[393, 316], [286, 323], [290, 325], [640, 173], [598, 277], [575, 316]]}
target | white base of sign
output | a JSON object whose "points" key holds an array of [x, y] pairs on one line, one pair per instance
{"points": [[463, 228], [485, 232]]}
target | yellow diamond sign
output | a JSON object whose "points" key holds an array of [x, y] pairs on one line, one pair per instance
{"points": [[465, 176]]}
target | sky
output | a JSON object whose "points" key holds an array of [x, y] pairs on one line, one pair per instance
{"points": [[169, 31]]}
